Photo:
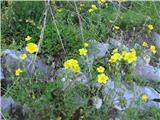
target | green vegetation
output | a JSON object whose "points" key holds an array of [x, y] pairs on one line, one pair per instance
{"points": [[47, 100]]}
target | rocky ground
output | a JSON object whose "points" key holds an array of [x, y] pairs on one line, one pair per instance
{"points": [[145, 71]]}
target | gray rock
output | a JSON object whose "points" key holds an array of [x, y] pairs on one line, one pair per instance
{"points": [[69, 78], [1, 74], [7, 103], [12, 62], [157, 40], [96, 50], [119, 92], [64, 73], [97, 102], [118, 44], [157, 44], [145, 71]]}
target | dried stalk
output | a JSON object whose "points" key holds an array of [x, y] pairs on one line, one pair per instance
{"points": [[80, 21], [54, 21], [41, 35]]}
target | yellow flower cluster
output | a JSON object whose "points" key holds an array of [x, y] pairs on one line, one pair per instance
{"points": [[130, 56], [82, 6], [145, 44], [23, 56], [93, 8], [150, 27], [144, 98], [127, 56], [101, 1], [72, 64], [83, 52], [115, 57], [102, 78], [115, 51], [100, 69], [31, 48], [152, 47], [18, 72], [28, 38]]}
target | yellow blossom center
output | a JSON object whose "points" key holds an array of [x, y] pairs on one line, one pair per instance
{"points": [[18, 72], [153, 49], [28, 38], [150, 27], [144, 98], [22, 56], [102, 78], [145, 44], [100, 69], [72, 64], [83, 52], [31, 48]]}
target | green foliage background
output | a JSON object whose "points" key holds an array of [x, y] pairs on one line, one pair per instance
{"points": [[97, 25]]}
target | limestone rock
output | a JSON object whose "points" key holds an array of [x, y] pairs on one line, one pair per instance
{"points": [[12, 62], [69, 78], [123, 98], [1, 74], [97, 50], [146, 71], [7, 103]]}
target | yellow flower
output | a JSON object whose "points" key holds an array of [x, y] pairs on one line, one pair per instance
{"points": [[115, 51], [115, 57], [31, 48], [133, 50], [22, 56], [82, 5], [18, 72], [101, 1], [130, 56], [28, 38], [100, 69], [86, 44], [66, 65], [72, 64], [102, 78], [94, 7], [118, 56], [153, 49], [144, 98], [76, 68], [83, 51], [73, 61], [124, 53], [90, 10], [69, 63], [150, 27], [145, 44]]}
